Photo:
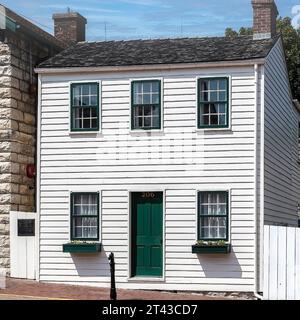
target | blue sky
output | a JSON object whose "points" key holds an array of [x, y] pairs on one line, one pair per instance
{"points": [[132, 19]]}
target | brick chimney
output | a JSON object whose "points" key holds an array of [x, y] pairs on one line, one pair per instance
{"points": [[264, 19], [69, 27]]}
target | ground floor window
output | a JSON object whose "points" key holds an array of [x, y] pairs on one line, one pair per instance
{"points": [[85, 216], [213, 215]]}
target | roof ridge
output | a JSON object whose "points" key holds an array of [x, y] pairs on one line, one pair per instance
{"points": [[163, 39]]}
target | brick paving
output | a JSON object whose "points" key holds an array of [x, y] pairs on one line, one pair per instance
{"points": [[17, 289]]}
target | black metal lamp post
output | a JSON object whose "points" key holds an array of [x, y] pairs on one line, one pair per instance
{"points": [[113, 291]]}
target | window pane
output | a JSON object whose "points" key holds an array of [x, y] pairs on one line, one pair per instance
{"points": [[94, 123], [146, 98], [205, 120], [85, 95], [86, 123], [147, 87], [147, 110], [77, 124], [86, 112], [85, 101], [222, 108], [213, 203], [213, 84], [94, 112], [204, 85], [94, 89], [155, 111], [85, 89], [206, 109], [213, 228], [85, 204], [77, 91], [222, 84], [204, 96], [138, 87], [76, 101], [213, 96], [155, 98], [146, 92], [156, 123], [147, 122], [146, 117], [222, 96], [214, 120], [213, 108], [138, 99], [93, 100], [85, 118], [155, 86], [222, 120], [86, 228]]}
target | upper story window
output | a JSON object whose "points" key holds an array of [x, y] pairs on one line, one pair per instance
{"points": [[84, 107], [213, 215], [84, 216], [146, 105], [213, 103]]}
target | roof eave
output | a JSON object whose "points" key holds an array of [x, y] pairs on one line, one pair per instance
{"points": [[235, 63]]}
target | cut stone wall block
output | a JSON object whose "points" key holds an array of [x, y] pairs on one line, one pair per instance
{"points": [[29, 118]]}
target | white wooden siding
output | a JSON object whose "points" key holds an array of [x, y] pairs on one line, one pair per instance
{"points": [[282, 170], [181, 161]]}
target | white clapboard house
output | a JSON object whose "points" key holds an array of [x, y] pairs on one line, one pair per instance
{"points": [[170, 153]]}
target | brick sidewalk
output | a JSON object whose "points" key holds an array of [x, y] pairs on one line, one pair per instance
{"points": [[33, 290]]}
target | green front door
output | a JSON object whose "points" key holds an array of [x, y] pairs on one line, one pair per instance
{"points": [[147, 231]]}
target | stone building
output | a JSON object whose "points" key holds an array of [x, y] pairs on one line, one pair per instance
{"points": [[23, 46]]}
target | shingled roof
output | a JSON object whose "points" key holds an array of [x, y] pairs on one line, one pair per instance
{"points": [[160, 51]]}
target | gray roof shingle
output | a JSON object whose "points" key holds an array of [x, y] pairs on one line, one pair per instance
{"points": [[160, 51]]}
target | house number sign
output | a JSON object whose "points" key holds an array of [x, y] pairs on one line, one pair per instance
{"points": [[148, 195]]}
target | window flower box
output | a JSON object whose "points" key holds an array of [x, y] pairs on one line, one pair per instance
{"points": [[82, 247], [211, 247]]}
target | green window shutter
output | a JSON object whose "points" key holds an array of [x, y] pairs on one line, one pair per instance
{"points": [[84, 214], [213, 222], [84, 102], [213, 103], [146, 105]]}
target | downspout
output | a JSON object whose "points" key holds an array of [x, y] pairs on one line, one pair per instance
{"points": [[38, 178], [256, 211]]}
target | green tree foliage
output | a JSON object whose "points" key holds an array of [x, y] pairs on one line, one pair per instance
{"points": [[291, 40]]}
